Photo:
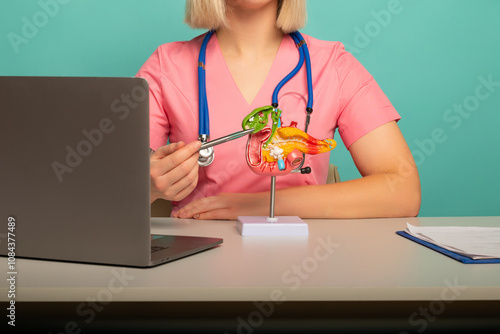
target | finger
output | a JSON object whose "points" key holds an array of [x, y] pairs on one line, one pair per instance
{"points": [[176, 158], [169, 185], [181, 171], [166, 150], [184, 193], [225, 214], [186, 185], [201, 205]]}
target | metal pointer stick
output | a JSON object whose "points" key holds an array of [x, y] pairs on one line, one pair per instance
{"points": [[225, 139], [273, 191]]}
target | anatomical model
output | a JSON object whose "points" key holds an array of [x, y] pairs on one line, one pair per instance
{"points": [[275, 149]]}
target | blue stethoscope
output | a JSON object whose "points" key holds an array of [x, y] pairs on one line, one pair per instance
{"points": [[207, 151]]}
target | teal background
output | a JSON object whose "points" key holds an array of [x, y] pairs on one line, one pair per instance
{"points": [[426, 58]]}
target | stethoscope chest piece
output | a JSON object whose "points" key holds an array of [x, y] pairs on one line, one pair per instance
{"points": [[206, 154], [206, 157]]}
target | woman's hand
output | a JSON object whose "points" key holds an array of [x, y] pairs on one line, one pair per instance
{"points": [[226, 206], [174, 171]]}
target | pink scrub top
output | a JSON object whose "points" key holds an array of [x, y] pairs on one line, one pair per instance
{"points": [[345, 96]]}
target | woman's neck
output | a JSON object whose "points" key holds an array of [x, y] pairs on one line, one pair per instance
{"points": [[252, 32]]}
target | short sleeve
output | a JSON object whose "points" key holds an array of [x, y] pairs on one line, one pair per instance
{"points": [[363, 105], [158, 121]]}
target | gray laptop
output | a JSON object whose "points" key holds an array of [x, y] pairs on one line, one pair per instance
{"points": [[74, 173]]}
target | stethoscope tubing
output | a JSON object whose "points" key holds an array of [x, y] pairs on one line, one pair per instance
{"points": [[291, 74], [204, 121], [307, 56], [304, 56]]}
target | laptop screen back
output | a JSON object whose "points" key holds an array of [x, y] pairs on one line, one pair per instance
{"points": [[75, 168]]}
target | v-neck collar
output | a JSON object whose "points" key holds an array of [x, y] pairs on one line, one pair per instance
{"points": [[264, 88]]}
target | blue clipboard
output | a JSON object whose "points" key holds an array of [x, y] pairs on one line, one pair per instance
{"points": [[453, 255]]}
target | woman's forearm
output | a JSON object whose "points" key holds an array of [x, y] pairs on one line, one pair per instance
{"points": [[378, 195]]}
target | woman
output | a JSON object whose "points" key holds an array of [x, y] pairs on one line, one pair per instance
{"points": [[246, 58]]}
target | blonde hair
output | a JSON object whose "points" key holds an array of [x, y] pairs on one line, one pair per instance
{"points": [[211, 14]]}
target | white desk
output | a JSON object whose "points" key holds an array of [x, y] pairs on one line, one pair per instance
{"points": [[366, 263]]}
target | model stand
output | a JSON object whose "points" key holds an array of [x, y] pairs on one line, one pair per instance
{"points": [[272, 226]]}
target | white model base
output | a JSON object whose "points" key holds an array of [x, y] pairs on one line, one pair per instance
{"points": [[260, 226]]}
